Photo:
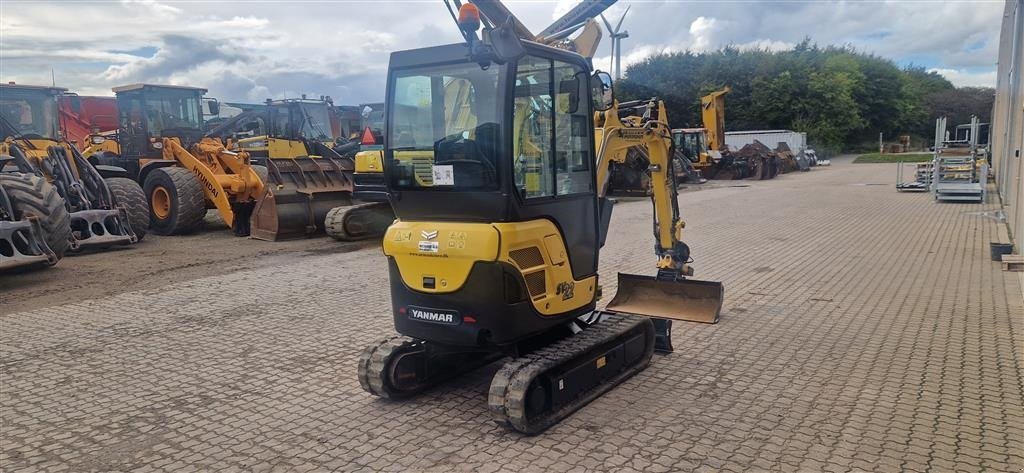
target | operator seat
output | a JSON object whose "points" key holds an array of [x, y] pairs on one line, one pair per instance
{"points": [[473, 160]]}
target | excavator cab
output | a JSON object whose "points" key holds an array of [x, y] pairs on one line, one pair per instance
{"points": [[491, 173], [692, 142]]}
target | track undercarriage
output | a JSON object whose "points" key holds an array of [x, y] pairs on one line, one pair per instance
{"points": [[531, 391]]}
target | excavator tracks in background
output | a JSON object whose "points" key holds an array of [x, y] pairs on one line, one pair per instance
{"points": [[358, 222]]}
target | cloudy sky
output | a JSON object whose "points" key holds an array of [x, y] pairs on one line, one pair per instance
{"points": [[250, 51]]}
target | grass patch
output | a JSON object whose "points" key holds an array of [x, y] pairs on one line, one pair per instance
{"points": [[893, 158]]}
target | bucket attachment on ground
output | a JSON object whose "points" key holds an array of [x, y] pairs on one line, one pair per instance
{"points": [[300, 193], [690, 300]]}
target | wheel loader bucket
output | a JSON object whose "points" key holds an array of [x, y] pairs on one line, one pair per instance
{"points": [[689, 300], [298, 196]]}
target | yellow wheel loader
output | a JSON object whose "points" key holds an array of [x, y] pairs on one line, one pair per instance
{"points": [[105, 206], [310, 187], [500, 221], [183, 172]]}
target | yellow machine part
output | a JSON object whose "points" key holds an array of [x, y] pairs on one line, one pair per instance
{"points": [[370, 161], [713, 114], [37, 151], [273, 147], [226, 176], [108, 145], [447, 252]]}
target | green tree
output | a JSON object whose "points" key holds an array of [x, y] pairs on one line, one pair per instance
{"points": [[841, 97]]}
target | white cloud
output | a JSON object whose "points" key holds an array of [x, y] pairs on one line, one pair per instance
{"points": [[964, 78], [258, 49], [702, 33], [767, 44]]}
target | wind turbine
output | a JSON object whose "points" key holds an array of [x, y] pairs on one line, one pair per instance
{"points": [[617, 37]]}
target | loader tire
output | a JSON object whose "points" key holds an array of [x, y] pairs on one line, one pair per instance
{"points": [[32, 196], [177, 204], [129, 194], [263, 173]]}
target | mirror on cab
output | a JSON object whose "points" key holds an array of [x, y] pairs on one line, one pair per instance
{"points": [[603, 94], [214, 107], [505, 43]]}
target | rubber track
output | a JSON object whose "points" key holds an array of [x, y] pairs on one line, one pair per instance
{"points": [[32, 195], [507, 394], [335, 221], [374, 359], [129, 194]]}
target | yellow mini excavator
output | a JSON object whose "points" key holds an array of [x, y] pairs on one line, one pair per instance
{"points": [[183, 172], [500, 219], [105, 206]]}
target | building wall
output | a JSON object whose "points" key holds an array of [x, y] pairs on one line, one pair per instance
{"points": [[1008, 121]]}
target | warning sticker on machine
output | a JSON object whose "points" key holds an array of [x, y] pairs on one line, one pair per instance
{"points": [[428, 246], [444, 175]]}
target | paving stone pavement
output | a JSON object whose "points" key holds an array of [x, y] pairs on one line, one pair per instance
{"points": [[863, 330]]}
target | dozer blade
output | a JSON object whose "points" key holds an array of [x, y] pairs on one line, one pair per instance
{"points": [[688, 299], [300, 193]]}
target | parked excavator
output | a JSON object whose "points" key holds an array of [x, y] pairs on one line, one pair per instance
{"points": [[705, 147], [183, 173], [309, 172], [373, 214], [106, 207], [500, 219], [633, 176]]}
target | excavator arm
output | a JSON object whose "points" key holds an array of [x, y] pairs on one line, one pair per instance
{"points": [[614, 138], [712, 110], [670, 295]]}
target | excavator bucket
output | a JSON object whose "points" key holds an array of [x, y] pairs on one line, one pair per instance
{"points": [[298, 196], [689, 300]]}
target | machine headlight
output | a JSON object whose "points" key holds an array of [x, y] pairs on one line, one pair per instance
{"points": [[98, 140], [158, 145]]}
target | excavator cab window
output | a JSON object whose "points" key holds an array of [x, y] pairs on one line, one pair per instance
{"points": [[551, 154], [445, 132], [691, 144], [314, 121]]}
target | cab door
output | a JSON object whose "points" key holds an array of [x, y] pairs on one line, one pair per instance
{"points": [[553, 153]]}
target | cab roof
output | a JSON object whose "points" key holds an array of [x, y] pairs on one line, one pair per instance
{"points": [[130, 87], [54, 90]]}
